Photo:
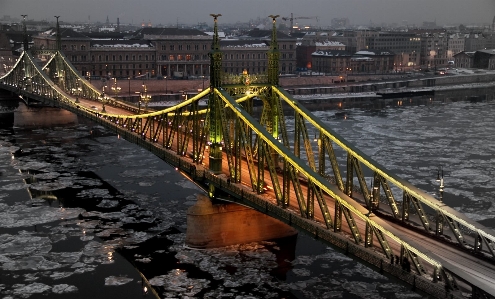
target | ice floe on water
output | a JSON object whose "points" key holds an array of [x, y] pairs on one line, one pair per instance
{"points": [[22, 216], [187, 184], [117, 281], [64, 288], [143, 173], [177, 283], [24, 291]]}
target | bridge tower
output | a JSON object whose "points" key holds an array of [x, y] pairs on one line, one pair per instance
{"points": [[25, 37], [59, 40], [273, 80], [214, 102]]}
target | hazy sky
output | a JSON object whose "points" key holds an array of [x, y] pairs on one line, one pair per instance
{"points": [[194, 11]]}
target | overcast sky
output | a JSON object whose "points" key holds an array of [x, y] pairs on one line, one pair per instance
{"points": [[194, 11]]}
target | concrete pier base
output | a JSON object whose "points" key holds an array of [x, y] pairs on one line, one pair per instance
{"points": [[218, 225], [36, 117]]}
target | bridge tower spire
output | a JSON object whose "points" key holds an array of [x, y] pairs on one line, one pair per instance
{"points": [[214, 103], [25, 38], [273, 74], [273, 54], [59, 41]]}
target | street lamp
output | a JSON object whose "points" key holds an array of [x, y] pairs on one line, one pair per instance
{"points": [[439, 222], [104, 100], [184, 94], [139, 93], [129, 80], [115, 88], [145, 97], [166, 88], [440, 180], [78, 90]]}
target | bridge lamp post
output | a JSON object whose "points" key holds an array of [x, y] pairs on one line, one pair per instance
{"points": [[140, 94], [104, 100], [145, 97], [440, 180], [439, 224], [78, 90], [129, 81], [166, 83], [116, 89]]}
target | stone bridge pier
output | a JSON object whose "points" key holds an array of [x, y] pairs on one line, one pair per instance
{"points": [[216, 225]]}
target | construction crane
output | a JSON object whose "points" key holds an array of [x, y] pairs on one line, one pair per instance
{"points": [[292, 18]]}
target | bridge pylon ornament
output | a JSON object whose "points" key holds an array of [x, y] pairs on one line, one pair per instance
{"points": [[215, 103]]}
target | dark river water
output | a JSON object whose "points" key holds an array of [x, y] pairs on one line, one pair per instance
{"points": [[85, 214]]}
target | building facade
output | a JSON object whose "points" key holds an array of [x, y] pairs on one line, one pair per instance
{"points": [[339, 62], [165, 52]]}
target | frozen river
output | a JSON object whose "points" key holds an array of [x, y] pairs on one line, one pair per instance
{"points": [[83, 213]]}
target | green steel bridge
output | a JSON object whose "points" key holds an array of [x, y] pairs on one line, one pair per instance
{"points": [[232, 148]]}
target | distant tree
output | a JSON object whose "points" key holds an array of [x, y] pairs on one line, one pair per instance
{"points": [[462, 28]]}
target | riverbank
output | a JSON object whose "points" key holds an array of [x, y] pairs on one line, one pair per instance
{"points": [[372, 86]]}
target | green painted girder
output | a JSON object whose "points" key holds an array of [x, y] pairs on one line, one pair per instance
{"points": [[368, 235], [273, 174], [297, 190], [383, 242], [352, 225], [406, 201], [349, 175], [390, 197], [356, 166], [406, 253], [249, 157], [333, 161], [227, 144], [455, 230], [421, 213]]}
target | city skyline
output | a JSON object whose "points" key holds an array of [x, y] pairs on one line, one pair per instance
{"points": [[446, 12]]}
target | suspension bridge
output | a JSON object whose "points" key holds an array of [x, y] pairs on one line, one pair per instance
{"points": [[316, 185]]}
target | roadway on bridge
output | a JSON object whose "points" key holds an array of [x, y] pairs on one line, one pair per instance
{"points": [[464, 265]]}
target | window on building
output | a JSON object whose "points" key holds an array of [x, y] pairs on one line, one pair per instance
{"points": [[180, 47], [204, 47], [196, 47], [172, 47], [83, 48], [180, 57], [140, 57], [113, 57], [171, 57], [73, 47], [106, 57], [120, 57], [164, 47], [188, 47], [188, 57]]}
